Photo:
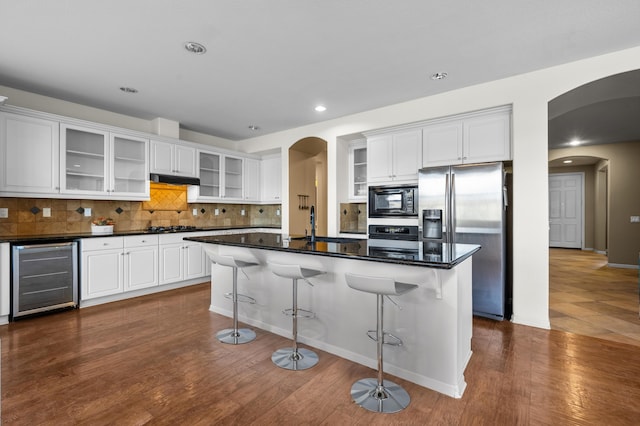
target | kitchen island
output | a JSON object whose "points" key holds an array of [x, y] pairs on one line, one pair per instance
{"points": [[434, 321]]}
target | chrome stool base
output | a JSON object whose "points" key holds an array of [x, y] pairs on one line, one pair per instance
{"points": [[290, 359], [389, 398], [236, 337]]}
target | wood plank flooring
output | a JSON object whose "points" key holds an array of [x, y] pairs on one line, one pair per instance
{"points": [[587, 297], [155, 360]]}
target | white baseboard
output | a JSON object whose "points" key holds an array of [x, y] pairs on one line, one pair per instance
{"points": [[622, 265]]}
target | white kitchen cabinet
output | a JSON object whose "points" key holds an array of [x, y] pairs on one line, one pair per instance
{"points": [[102, 267], [180, 260], [271, 179], [98, 163], [140, 262], [29, 154], [5, 282], [251, 179], [476, 138], [112, 265], [173, 159], [358, 171], [221, 177], [394, 157]]}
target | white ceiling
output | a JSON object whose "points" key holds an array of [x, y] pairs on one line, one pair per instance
{"points": [[270, 62]]}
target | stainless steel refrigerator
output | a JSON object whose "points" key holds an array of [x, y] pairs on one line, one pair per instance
{"points": [[468, 204]]}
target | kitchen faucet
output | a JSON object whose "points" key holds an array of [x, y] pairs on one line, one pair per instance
{"points": [[313, 224]]}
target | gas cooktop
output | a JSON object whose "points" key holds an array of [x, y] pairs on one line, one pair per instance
{"points": [[165, 229]]}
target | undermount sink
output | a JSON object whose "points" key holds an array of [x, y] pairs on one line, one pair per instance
{"points": [[338, 240]]}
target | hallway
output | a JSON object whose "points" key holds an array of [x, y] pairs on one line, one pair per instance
{"points": [[587, 297]]}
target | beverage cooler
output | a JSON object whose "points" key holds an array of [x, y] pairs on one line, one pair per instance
{"points": [[44, 277]]}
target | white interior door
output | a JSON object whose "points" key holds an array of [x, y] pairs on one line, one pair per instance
{"points": [[566, 210]]}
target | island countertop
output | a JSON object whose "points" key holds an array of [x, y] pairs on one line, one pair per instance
{"points": [[444, 256]]}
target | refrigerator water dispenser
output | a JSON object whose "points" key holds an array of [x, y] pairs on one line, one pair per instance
{"points": [[432, 224]]}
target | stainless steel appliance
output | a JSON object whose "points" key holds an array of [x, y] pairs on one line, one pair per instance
{"points": [[394, 241], [468, 204], [45, 277], [393, 201]]}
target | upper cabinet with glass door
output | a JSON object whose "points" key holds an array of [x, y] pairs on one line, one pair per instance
{"points": [[358, 170], [101, 164], [209, 175], [233, 178], [83, 160], [221, 177]]}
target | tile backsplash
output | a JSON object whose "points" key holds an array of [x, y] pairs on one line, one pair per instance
{"points": [[26, 216], [353, 217]]}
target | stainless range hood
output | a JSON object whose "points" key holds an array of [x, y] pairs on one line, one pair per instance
{"points": [[174, 180]]}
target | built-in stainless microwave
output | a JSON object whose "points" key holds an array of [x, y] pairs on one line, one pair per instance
{"points": [[393, 201]]}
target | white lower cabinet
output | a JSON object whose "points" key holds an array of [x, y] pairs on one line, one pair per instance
{"points": [[180, 260], [112, 265]]}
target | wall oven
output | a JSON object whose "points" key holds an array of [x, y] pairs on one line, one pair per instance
{"points": [[44, 277], [393, 201]]}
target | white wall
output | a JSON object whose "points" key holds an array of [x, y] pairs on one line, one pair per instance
{"points": [[529, 95]]}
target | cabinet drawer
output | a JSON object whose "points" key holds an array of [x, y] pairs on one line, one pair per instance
{"points": [[140, 241], [101, 243]]}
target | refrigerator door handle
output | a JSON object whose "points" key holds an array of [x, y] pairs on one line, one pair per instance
{"points": [[447, 207], [452, 209]]}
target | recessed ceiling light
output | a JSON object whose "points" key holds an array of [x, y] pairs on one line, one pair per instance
{"points": [[128, 89], [439, 76], [254, 127], [320, 108], [568, 161], [575, 142], [194, 47]]}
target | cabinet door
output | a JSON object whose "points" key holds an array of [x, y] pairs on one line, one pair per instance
{"points": [[487, 138], [379, 159], [84, 157], [209, 168], [358, 171], [194, 264], [184, 161], [407, 154], [251, 179], [171, 264], [102, 273], [29, 152], [161, 158], [141, 268], [271, 179], [129, 166], [233, 179], [442, 144]]}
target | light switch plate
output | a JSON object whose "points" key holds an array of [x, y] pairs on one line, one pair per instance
{"points": [[216, 212], [4, 212], [242, 212], [195, 212], [278, 212], [46, 212], [87, 211]]}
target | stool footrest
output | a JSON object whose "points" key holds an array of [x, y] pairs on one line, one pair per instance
{"points": [[302, 313], [241, 298], [387, 338]]}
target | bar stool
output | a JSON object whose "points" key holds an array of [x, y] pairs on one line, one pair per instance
{"points": [[234, 336], [382, 396], [295, 358]]}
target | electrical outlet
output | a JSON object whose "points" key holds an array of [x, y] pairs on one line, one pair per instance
{"points": [[46, 212], [242, 212], [195, 212], [87, 211], [277, 212], [216, 212], [635, 219], [4, 212]]}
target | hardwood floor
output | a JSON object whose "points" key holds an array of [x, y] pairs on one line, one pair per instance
{"points": [[155, 360], [589, 298]]}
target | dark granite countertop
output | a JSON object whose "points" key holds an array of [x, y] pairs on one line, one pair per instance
{"points": [[444, 256], [56, 238]]}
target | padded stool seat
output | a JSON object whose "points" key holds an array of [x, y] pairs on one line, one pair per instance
{"points": [[379, 395], [294, 358], [235, 335]]}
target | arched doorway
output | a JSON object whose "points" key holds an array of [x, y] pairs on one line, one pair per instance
{"points": [[308, 185]]}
